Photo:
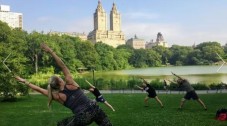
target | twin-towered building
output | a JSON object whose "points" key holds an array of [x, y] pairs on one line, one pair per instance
{"points": [[112, 36]]}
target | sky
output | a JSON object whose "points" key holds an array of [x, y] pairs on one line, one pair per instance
{"points": [[181, 22]]}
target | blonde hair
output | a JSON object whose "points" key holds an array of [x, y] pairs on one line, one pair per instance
{"points": [[53, 86]]}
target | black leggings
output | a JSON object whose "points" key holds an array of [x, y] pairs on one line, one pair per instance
{"points": [[91, 114]]}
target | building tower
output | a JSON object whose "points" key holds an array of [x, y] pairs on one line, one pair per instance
{"points": [[159, 42], [100, 18], [115, 19], [159, 38], [112, 36]]}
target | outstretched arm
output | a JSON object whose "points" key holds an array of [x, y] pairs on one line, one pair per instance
{"points": [[32, 86], [139, 87], [60, 63], [90, 84]]}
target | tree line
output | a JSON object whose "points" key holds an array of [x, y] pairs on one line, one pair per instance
{"points": [[26, 57]]}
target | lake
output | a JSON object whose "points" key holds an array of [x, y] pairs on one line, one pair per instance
{"points": [[195, 74]]}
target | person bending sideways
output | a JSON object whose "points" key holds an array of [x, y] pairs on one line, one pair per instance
{"points": [[68, 93], [98, 95], [151, 93], [190, 92]]}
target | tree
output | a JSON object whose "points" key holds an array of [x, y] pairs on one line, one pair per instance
{"points": [[139, 58], [153, 59], [164, 52], [34, 52], [179, 54], [106, 53], [87, 54], [210, 50], [12, 44]]}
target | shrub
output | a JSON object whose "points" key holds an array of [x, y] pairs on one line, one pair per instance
{"points": [[200, 86]]}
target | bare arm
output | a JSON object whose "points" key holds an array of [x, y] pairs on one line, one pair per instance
{"points": [[60, 63], [90, 84], [144, 81], [139, 87], [176, 75], [171, 81], [32, 86]]}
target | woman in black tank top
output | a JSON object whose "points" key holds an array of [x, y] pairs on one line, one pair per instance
{"points": [[99, 97], [68, 93], [151, 93]]}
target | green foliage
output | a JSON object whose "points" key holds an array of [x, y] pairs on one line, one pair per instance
{"points": [[28, 60], [157, 84], [179, 54], [132, 82], [13, 46], [41, 78], [199, 86]]}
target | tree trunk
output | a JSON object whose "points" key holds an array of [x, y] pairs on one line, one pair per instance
{"points": [[36, 63]]}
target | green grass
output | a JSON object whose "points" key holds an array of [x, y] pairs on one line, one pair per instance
{"points": [[130, 111]]}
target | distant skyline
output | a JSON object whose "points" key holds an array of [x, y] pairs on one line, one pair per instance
{"points": [[181, 22]]}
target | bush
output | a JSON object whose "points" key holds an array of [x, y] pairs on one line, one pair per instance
{"points": [[157, 84], [200, 86]]}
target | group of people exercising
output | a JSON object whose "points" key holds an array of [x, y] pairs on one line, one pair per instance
{"points": [[85, 111]]}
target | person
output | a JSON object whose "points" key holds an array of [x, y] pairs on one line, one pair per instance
{"points": [[190, 92], [68, 93], [98, 95], [151, 93]]}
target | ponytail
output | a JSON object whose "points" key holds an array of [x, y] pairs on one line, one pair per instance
{"points": [[52, 86]]}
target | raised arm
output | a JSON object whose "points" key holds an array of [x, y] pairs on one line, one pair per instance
{"points": [[176, 75], [60, 63], [90, 84], [144, 81], [32, 86]]}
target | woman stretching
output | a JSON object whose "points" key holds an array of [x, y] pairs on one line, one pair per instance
{"points": [[151, 93], [98, 95], [69, 94]]}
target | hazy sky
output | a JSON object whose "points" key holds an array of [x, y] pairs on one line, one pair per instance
{"points": [[181, 22]]}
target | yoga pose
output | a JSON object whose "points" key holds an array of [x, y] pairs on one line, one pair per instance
{"points": [[69, 94], [98, 95], [190, 92], [151, 93]]}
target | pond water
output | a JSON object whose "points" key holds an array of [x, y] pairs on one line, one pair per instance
{"points": [[195, 74]]}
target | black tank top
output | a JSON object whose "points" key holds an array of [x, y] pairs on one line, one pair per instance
{"points": [[76, 100], [149, 89]]}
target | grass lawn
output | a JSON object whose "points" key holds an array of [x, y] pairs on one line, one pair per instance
{"points": [[130, 111]]}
